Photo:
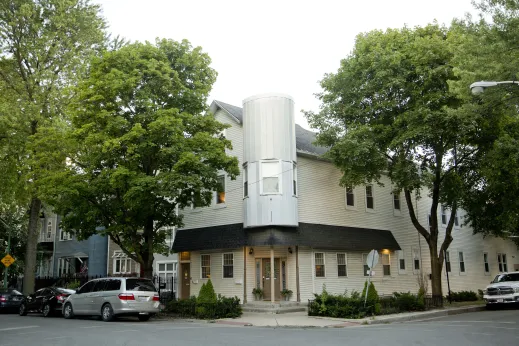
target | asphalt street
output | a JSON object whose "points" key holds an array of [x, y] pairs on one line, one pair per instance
{"points": [[481, 328]]}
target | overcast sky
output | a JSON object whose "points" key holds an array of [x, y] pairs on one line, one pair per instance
{"points": [[272, 46]]}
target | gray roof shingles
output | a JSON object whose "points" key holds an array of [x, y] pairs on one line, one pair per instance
{"points": [[304, 138]]}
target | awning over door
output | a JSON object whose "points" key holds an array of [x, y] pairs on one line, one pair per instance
{"points": [[313, 235]]}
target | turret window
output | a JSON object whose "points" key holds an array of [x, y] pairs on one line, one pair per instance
{"points": [[270, 173]]}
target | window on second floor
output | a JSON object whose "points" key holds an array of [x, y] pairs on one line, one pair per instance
{"points": [[350, 197], [48, 234], [444, 215], [245, 181], [220, 190], [396, 200], [270, 176], [64, 235], [294, 179], [370, 201]]}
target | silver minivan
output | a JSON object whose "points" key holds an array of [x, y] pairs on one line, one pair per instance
{"points": [[114, 296]]}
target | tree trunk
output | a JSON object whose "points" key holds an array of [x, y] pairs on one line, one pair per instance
{"points": [[147, 253], [436, 271], [31, 248]]}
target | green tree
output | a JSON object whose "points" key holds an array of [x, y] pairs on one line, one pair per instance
{"points": [[388, 110], [487, 50], [142, 146], [44, 46], [13, 223]]}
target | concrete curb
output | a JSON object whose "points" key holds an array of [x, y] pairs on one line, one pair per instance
{"points": [[427, 315]]}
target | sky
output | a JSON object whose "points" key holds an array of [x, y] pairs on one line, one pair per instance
{"points": [[272, 46]]}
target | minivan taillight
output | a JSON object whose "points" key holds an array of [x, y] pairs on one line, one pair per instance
{"points": [[156, 298], [3, 299], [126, 296]]}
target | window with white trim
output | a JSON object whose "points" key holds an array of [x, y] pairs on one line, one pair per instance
{"points": [[462, 261], [485, 263], [456, 220], [370, 201], [416, 260], [270, 176], [396, 200], [401, 261], [386, 264], [245, 181], [205, 264], [122, 263], [166, 271], [342, 261], [350, 197], [63, 266], [220, 190], [294, 179], [501, 261], [49, 231], [319, 264], [447, 261], [228, 265], [443, 214], [64, 235]]}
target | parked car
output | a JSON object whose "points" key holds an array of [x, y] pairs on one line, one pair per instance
{"points": [[47, 301], [10, 300], [504, 289], [112, 297]]}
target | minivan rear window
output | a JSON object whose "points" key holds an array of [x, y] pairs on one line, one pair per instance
{"points": [[140, 285]]}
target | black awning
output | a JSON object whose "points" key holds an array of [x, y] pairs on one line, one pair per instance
{"points": [[313, 235]]}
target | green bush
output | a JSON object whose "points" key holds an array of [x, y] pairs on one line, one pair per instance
{"points": [[221, 307], [207, 293], [463, 296], [342, 306]]}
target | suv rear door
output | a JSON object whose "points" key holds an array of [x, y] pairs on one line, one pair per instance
{"points": [[81, 299]]}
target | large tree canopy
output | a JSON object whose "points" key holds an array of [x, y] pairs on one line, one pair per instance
{"points": [[388, 110], [44, 47], [487, 50], [142, 145]]}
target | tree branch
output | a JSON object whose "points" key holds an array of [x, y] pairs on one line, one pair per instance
{"points": [[412, 214]]}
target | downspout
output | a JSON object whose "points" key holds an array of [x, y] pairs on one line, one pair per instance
{"points": [[298, 294], [244, 274]]}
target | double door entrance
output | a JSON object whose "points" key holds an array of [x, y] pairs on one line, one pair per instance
{"points": [[266, 273]]}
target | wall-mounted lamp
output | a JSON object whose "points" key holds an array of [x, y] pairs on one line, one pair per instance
{"points": [[251, 251], [289, 249]]}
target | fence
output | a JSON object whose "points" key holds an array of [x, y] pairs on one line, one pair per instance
{"points": [[167, 288]]}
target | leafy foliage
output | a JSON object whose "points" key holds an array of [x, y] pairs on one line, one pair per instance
{"points": [[44, 48], [142, 146], [389, 110], [464, 296], [342, 305]]}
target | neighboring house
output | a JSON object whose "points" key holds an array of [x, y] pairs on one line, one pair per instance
{"points": [[119, 263], [61, 254], [166, 267], [286, 223]]}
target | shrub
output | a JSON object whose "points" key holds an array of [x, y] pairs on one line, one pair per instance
{"points": [[463, 296], [409, 302], [222, 307], [207, 293]]}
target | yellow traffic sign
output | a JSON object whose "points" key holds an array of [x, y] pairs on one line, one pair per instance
{"points": [[7, 260]]}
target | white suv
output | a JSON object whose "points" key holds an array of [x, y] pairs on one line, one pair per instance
{"points": [[504, 289]]}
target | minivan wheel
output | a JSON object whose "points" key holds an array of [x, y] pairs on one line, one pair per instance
{"points": [[67, 311], [107, 313], [144, 318], [46, 310], [23, 310]]}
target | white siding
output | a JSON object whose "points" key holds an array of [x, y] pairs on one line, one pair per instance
{"points": [[232, 211]]}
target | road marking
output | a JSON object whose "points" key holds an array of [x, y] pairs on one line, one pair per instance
{"points": [[17, 328], [89, 327], [25, 333], [125, 330], [481, 334]]}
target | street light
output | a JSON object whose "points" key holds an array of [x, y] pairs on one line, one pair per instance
{"points": [[479, 87]]}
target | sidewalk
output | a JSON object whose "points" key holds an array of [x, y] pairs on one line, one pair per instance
{"points": [[302, 320]]}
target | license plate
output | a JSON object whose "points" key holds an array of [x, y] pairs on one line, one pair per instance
{"points": [[143, 299], [16, 298], [500, 300]]}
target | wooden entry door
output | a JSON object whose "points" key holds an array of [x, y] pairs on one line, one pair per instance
{"points": [[269, 274], [186, 280]]}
